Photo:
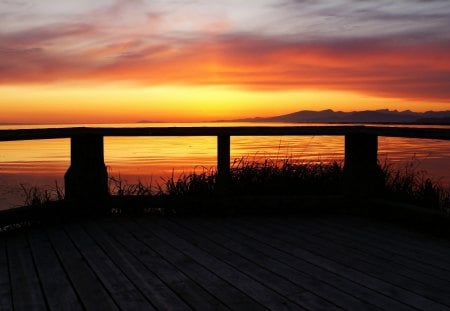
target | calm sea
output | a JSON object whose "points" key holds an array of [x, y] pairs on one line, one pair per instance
{"points": [[152, 159]]}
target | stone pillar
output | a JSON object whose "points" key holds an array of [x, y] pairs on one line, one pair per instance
{"points": [[86, 180], [223, 163], [362, 174]]}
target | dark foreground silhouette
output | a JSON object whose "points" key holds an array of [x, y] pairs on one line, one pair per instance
{"points": [[233, 263], [258, 188]]}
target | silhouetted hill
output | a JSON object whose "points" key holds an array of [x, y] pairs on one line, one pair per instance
{"points": [[367, 116]]}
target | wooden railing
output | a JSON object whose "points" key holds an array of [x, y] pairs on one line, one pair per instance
{"points": [[87, 178]]}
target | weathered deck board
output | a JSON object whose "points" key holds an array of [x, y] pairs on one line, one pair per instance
{"points": [[278, 262], [55, 284], [124, 293], [363, 263], [323, 275], [383, 256], [283, 286], [26, 289], [394, 248], [331, 262], [252, 288], [5, 285], [227, 294], [91, 291], [424, 255], [324, 235], [161, 296], [174, 276], [248, 263], [418, 239]]}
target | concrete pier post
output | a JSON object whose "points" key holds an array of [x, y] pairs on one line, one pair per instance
{"points": [[223, 162], [86, 180], [362, 174]]}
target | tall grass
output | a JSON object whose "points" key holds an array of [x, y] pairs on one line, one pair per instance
{"points": [[249, 177], [273, 177], [120, 187], [37, 197], [193, 184], [405, 183], [285, 177], [408, 183]]}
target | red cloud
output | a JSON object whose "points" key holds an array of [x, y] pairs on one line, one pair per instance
{"points": [[403, 67]]}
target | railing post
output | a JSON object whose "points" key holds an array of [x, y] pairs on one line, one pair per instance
{"points": [[223, 162], [362, 174], [86, 180]]}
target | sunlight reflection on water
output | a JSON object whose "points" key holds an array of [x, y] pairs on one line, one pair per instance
{"points": [[42, 162]]}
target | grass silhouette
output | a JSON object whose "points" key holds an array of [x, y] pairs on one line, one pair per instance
{"points": [[287, 177], [252, 179]]}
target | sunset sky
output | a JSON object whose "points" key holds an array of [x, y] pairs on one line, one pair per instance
{"points": [[183, 60]]}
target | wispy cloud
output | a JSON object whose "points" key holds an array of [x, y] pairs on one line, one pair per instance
{"points": [[42, 35], [385, 48]]}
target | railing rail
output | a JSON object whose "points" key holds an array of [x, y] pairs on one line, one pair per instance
{"points": [[86, 179], [387, 131]]}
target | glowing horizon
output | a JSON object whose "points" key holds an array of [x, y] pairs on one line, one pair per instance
{"points": [[123, 61]]}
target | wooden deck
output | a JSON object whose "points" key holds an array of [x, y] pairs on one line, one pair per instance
{"points": [[224, 263]]}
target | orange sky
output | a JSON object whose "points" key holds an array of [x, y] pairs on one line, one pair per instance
{"points": [[124, 61]]}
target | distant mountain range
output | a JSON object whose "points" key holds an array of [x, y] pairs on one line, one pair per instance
{"points": [[366, 116]]}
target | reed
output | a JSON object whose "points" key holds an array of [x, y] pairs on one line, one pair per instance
{"points": [[284, 177], [410, 184], [37, 196]]}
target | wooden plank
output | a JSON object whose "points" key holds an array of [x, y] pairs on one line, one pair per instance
{"points": [[5, 284], [364, 245], [230, 296], [270, 258], [358, 250], [88, 287], [396, 241], [243, 282], [290, 244], [419, 239], [50, 133], [56, 286], [26, 289], [188, 290], [123, 292], [278, 276], [160, 295], [362, 263], [396, 247], [323, 276], [430, 245]]}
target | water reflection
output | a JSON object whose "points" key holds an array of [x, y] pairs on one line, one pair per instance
{"points": [[41, 162]]}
